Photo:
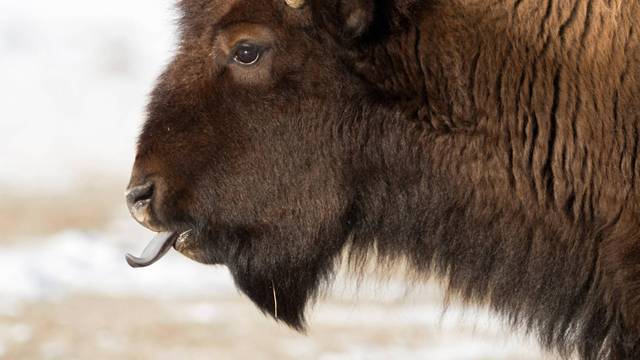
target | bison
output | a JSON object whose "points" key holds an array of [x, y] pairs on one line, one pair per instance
{"points": [[493, 144]]}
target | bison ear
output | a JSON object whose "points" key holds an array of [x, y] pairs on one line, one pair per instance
{"points": [[357, 15], [345, 19]]}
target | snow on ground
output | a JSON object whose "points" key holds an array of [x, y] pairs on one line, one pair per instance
{"points": [[80, 262]]}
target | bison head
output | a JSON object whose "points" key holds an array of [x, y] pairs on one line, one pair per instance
{"points": [[245, 159]]}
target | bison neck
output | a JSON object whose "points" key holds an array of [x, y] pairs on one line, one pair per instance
{"points": [[441, 202], [514, 173], [428, 65]]}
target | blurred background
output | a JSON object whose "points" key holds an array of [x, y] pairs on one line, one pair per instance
{"points": [[74, 79]]}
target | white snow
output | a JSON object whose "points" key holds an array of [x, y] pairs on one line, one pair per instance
{"points": [[13, 334], [92, 262], [75, 77]]}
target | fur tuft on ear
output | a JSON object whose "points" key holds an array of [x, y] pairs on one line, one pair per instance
{"points": [[345, 19], [356, 15]]}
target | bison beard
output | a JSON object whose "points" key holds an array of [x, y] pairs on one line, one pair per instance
{"points": [[283, 288], [492, 144], [282, 292]]}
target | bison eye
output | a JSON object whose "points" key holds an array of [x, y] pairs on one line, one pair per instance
{"points": [[247, 54]]}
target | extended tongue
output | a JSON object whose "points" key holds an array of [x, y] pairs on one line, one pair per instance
{"points": [[156, 249]]}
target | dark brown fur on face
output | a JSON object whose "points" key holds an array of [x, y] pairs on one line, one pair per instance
{"points": [[491, 143]]}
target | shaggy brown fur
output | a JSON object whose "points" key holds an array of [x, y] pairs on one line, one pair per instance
{"points": [[491, 143]]}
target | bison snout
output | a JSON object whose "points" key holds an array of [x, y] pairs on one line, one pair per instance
{"points": [[140, 200]]}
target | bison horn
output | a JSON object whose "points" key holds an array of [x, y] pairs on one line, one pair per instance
{"points": [[296, 4]]}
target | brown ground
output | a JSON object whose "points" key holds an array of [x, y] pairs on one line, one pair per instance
{"points": [[88, 327], [89, 207]]}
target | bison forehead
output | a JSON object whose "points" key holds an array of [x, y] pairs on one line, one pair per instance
{"points": [[216, 11]]}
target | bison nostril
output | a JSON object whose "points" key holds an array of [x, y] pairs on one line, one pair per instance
{"points": [[139, 201], [139, 195]]}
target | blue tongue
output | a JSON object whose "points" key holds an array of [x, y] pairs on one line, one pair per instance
{"points": [[156, 249]]}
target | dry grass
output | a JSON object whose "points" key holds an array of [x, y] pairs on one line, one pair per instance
{"points": [[29, 215]]}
